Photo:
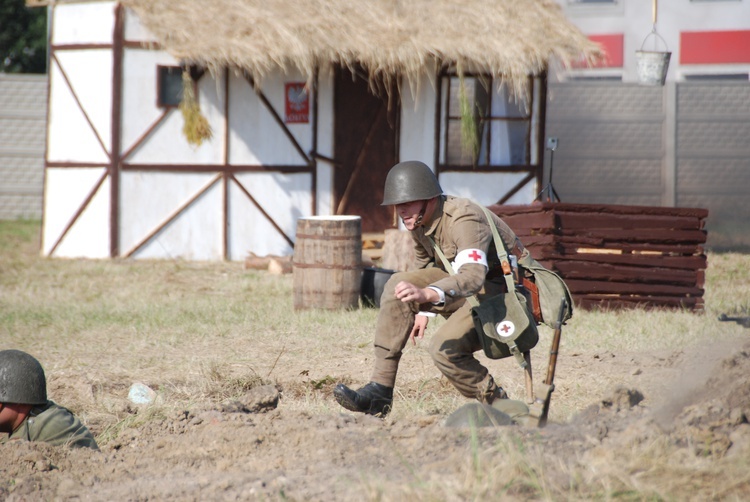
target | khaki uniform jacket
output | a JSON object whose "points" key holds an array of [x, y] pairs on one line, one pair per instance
{"points": [[51, 423], [456, 225]]}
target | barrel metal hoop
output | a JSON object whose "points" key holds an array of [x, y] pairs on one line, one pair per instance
{"points": [[326, 237], [326, 266]]}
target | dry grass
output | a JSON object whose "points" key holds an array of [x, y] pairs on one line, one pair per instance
{"points": [[182, 325], [203, 332]]}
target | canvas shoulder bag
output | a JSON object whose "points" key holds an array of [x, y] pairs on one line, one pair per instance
{"points": [[549, 289]]}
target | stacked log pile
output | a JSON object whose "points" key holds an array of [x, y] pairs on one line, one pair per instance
{"points": [[617, 256]]}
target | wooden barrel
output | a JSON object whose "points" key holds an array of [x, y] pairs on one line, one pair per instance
{"points": [[327, 264]]}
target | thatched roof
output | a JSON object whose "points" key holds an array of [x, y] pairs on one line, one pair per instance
{"points": [[508, 38]]}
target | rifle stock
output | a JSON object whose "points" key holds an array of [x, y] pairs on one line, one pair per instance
{"points": [[550, 379], [541, 406]]}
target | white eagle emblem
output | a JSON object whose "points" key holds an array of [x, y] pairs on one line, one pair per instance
{"points": [[297, 97]]}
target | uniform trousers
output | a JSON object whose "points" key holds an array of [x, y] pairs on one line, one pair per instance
{"points": [[452, 347]]}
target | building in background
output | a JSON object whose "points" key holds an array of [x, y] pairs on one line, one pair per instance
{"points": [[310, 103], [682, 144], [708, 39]]}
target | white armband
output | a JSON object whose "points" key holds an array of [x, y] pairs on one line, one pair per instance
{"points": [[476, 256], [427, 314]]}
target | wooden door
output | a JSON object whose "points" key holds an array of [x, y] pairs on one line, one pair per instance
{"points": [[365, 148]]}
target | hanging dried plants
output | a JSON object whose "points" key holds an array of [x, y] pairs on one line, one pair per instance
{"points": [[469, 135], [196, 128]]}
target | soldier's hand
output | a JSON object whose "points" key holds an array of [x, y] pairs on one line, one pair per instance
{"points": [[419, 328], [408, 292]]}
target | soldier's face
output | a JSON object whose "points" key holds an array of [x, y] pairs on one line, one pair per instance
{"points": [[409, 213], [7, 418]]}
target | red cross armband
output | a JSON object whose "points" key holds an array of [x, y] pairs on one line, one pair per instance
{"points": [[476, 256]]}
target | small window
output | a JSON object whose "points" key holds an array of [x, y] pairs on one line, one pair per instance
{"points": [[169, 81], [483, 125]]}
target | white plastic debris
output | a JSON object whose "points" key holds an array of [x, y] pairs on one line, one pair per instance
{"points": [[141, 394]]}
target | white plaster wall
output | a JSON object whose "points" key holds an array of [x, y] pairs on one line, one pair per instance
{"points": [[255, 136], [487, 188], [417, 129], [134, 31], [196, 235], [147, 199], [65, 192], [325, 142], [83, 23], [285, 198], [167, 143], [139, 94], [71, 137]]}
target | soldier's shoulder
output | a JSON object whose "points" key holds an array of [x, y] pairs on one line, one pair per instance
{"points": [[58, 425], [456, 206], [50, 414]]}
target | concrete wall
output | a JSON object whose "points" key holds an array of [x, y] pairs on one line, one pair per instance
{"points": [[23, 104], [681, 145]]}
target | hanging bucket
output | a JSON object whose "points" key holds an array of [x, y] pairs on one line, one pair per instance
{"points": [[652, 66]]}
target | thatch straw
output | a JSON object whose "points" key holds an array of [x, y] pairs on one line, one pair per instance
{"points": [[508, 39]]}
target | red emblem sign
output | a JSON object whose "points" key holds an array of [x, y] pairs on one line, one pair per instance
{"points": [[297, 103]]}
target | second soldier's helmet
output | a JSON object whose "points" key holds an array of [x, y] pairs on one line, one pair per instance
{"points": [[22, 379], [409, 181]]}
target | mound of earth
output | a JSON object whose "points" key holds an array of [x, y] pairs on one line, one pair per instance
{"points": [[254, 447]]}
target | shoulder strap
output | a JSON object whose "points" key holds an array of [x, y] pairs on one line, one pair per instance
{"points": [[502, 255]]}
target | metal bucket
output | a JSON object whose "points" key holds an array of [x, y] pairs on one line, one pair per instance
{"points": [[373, 282], [652, 67]]}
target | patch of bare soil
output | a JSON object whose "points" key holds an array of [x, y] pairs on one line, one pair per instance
{"points": [[695, 405]]}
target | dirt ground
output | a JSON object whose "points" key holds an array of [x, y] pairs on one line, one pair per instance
{"points": [[687, 409]]}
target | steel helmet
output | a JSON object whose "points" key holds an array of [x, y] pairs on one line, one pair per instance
{"points": [[22, 379], [409, 181]]}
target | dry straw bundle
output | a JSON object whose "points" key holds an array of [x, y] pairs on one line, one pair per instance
{"points": [[196, 128]]}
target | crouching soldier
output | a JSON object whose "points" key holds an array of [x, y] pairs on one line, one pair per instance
{"points": [[25, 412], [461, 230]]}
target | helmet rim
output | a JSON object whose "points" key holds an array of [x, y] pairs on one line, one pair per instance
{"points": [[410, 181]]}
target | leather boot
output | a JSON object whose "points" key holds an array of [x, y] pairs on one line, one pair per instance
{"points": [[498, 393], [372, 399], [493, 392]]}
